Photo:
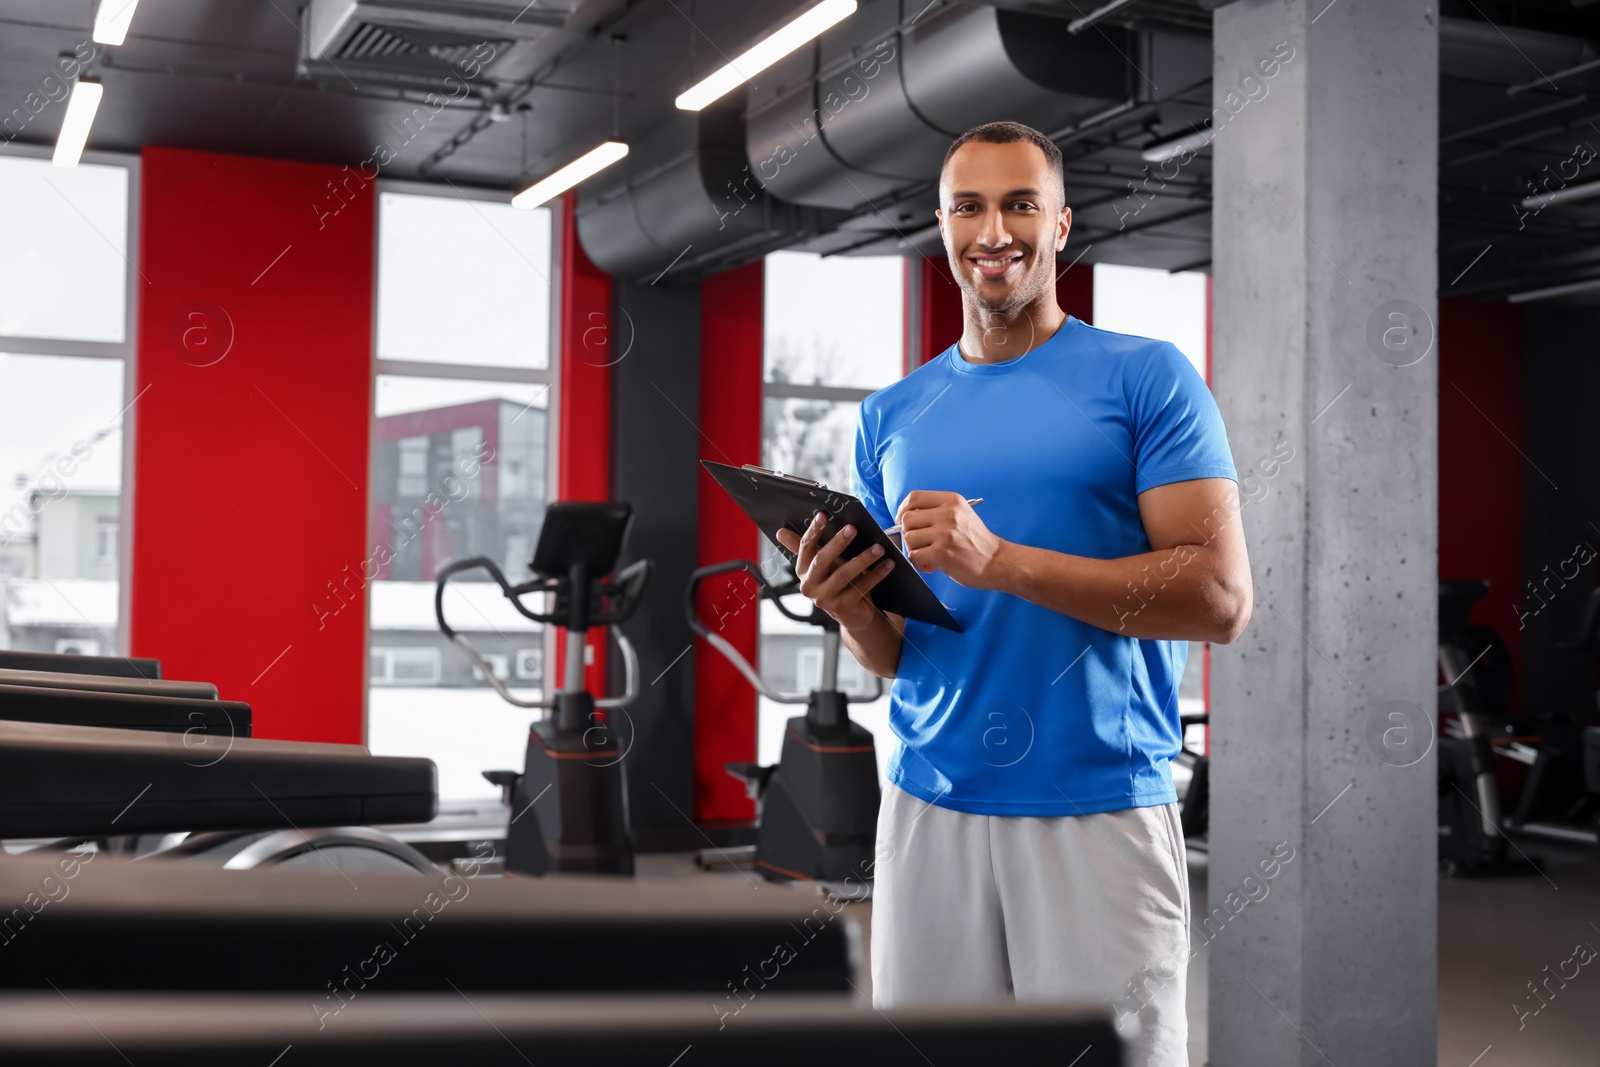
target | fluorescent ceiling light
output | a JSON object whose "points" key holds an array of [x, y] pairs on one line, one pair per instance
{"points": [[779, 44], [81, 106], [1555, 290], [1162, 151], [1539, 201], [586, 165], [111, 21]]}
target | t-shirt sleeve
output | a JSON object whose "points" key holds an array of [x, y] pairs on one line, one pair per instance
{"points": [[1177, 428], [866, 470]]}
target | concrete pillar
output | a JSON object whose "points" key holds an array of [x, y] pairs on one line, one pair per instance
{"points": [[1323, 810]]}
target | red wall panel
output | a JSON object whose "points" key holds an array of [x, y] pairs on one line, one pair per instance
{"points": [[250, 455], [1480, 352], [941, 315], [730, 416], [589, 347], [1075, 290]]}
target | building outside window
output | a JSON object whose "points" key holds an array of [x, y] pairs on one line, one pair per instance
{"points": [[66, 357], [460, 468]]}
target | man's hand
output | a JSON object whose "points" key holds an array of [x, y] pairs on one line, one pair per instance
{"points": [[941, 532], [838, 588]]}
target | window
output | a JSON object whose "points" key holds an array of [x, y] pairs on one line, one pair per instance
{"points": [[461, 461], [817, 369], [406, 666], [105, 541], [65, 350], [853, 678], [498, 662], [530, 664]]}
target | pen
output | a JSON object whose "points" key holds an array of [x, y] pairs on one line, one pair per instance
{"points": [[975, 501]]}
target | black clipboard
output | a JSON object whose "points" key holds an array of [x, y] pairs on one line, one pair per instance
{"points": [[775, 500]]}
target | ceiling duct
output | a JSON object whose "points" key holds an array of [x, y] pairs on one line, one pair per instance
{"points": [[686, 196], [856, 118], [417, 44]]}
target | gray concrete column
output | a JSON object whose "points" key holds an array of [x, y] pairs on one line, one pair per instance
{"points": [[1323, 805]]}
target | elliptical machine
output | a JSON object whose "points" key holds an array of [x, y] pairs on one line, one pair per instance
{"points": [[1471, 838], [572, 775], [818, 805]]}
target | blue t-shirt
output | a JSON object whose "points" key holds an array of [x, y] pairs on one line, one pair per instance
{"points": [[1028, 711]]}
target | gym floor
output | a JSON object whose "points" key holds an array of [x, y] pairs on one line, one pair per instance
{"points": [[1495, 936]]}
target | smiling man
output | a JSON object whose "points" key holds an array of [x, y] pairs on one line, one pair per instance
{"points": [[1029, 842]]}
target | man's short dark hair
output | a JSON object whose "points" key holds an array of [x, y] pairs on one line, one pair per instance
{"points": [[1011, 133]]}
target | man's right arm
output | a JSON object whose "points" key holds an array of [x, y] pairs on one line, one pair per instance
{"points": [[841, 589]]}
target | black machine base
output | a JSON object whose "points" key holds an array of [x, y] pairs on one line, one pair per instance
{"points": [[569, 808], [819, 820]]}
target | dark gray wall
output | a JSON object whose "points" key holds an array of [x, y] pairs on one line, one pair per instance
{"points": [[655, 450], [1561, 507]]}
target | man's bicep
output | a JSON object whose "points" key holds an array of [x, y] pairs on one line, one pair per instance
{"points": [[1202, 511]]}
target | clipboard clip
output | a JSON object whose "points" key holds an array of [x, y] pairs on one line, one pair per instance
{"points": [[780, 474]]}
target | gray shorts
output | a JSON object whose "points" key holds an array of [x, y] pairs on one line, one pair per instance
{"points": [[1079, 906]]}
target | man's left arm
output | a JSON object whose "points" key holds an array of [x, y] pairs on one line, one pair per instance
{"points": [[1193, 585]]}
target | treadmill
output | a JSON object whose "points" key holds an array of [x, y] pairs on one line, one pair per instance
{"points": [[496, 1030], [112, 753]]}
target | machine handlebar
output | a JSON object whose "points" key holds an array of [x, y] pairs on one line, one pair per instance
{"points": [[774, 593]]}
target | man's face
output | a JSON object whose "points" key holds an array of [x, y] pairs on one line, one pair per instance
{"points": [[1002, 222]]}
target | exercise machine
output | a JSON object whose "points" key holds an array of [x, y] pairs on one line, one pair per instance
{"points": [[172, 927], [818, 805], [572, 776], [188, 1030], [1478, 732], [1194, 802], [1471, 835], [144, 767]]}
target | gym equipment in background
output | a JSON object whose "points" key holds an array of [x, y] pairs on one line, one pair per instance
{"points": [[1194, 804], [144, 767], [499, 1030], [71, 663], [1555, 802], [818, 806], [572, 776], [1471, 839], [174, 928]]}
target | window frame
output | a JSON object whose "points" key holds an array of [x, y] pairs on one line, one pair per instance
{"points": [[388, 654], [548, 375], [126, 350]]}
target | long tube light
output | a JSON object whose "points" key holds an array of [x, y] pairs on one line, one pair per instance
{"points": [[81, 108], [590, 163], [1554, 291], [774, 47], [1539, 201], [112, 19], [1174, 147]]}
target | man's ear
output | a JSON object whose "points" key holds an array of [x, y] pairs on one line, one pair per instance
{"points": [[1063, 227]]}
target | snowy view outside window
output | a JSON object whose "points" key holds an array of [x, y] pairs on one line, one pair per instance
{"points": [[460, 468], [63, 279]]}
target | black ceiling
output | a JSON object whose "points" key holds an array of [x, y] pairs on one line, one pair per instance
{"points": [[221, 75]]}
